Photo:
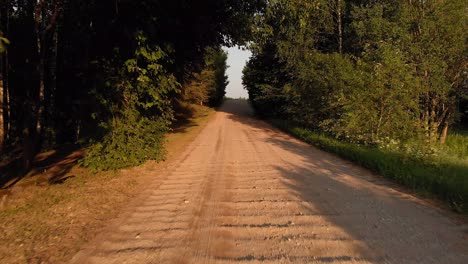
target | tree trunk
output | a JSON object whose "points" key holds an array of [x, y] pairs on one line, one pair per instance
{"points": [[6, 98], [51, 85], [3, 78], [2, 107], [26, 121], [339, 12], [443, 134], [40, 103], [41, 51], [445, 124], [46, 15], [28, 145], [6, 81]]}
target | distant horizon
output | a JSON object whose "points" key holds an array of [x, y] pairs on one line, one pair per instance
{"points": [[237, 59]]}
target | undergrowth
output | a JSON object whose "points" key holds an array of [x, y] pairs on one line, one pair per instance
{"points": [[127, 144], [137, 110]]}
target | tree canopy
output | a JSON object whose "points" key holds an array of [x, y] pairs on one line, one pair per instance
{"points": [[106, 72], [365, 71], [110, 72]]}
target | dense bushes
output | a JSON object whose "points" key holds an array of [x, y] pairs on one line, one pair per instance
{"points": [[136, 111], [127, 143]]}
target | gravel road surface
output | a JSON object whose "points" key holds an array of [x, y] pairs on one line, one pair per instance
{"points": [[243, 192]]}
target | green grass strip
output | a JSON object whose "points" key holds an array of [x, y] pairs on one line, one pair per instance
{"points": [[445, 180]]}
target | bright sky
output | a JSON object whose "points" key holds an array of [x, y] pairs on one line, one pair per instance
{"points": [[236, 61]]}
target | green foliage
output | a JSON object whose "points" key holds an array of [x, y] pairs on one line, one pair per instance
{"points": [[4, 42], [384, 99], [217, 60], [376, 98], [265, 78], [399, 77], [209, 85], [127, 143], [321, 87], [198, 89], [138, 111], [456, 145], [72, 60], [443, 178]]}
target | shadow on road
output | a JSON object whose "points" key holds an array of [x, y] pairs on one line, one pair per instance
{"points": [[384, 224]]}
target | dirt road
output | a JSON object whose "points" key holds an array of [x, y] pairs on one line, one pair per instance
{"points": [[245, 193]]}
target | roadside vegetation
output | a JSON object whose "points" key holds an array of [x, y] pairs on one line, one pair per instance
{"points": [[442, 175], [109, 75], [47, 217], [113, 86], [103, 83], [382, 83]]}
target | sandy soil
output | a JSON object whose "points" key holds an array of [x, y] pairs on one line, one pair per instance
{"points": [[244, 192]]}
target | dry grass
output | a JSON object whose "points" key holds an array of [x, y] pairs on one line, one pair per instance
{"points": [[47, 221]]}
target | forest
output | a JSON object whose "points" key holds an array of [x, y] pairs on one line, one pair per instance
{"points": [[113, 76], [109, 74], [101, 102], [382, 83], [368, 71]]}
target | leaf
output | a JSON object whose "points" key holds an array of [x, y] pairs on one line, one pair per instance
{"points": [[4, 42]]}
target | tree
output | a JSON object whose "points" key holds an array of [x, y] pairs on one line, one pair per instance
{"points": [[439, 54], [265, 78], [46, 14], [363, 70], [3, 93], [65, 50], [137, 110], [217, 58], [209, 85], [4, 98]]}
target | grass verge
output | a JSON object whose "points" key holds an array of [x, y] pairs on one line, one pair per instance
{"points": [[445, 179], [44, 221]]}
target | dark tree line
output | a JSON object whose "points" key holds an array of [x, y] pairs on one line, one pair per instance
{"points": [[73, 70], [362, 70]]}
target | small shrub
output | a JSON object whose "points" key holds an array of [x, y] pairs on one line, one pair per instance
{"points": [[136, 110], [127, 144]]}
